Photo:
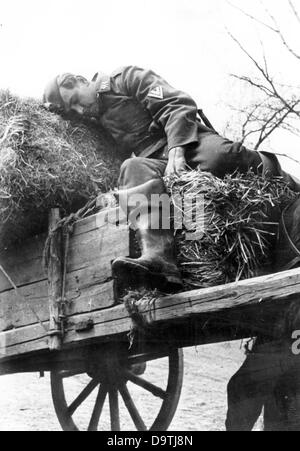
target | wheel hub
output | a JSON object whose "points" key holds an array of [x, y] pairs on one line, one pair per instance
{"points": [[114, 378]]}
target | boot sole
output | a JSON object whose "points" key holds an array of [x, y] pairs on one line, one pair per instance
{"points": [[140, 275]]}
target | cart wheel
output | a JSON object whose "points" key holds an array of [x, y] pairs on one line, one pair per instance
{"points": [[142, 397]]}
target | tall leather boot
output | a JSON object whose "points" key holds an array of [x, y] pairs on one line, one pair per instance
{"points": [[156, 268]]}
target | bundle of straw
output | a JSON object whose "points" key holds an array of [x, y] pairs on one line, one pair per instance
{"points": [[46, 162], [241, 215]]}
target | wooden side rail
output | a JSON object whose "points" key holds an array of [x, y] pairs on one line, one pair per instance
{"points": [[95, 242], [114, 322]]}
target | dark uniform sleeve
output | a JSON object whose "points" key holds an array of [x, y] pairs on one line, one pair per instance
{"points": [[174, 110]]}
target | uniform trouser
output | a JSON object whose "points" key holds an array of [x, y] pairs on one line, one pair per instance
{"points": [[251, 386], [213, 154], [269, 375]]}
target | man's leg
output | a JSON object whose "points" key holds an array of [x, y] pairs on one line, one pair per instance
{"points": [[245, 402], [140, 179], [220, 156], [251, 386], [272, 166], [136, 172]]}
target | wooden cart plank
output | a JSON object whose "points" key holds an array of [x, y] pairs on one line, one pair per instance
{"points": [[112, 216], [92, 235], [23, 264], [89, 266], [16, 314], [183, 306]]}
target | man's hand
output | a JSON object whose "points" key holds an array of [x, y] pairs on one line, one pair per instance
{"points": [[177, 162]]}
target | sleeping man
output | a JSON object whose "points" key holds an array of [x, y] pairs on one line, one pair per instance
{"points": [[158, 132]]}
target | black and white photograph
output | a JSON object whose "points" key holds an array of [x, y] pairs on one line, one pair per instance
{"points": [[150, 218]]}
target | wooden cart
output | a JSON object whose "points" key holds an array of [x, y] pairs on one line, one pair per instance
{"points": [[86, 333]]}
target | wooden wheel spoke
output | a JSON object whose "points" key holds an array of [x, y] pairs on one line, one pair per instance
{"points": [[83, 396], [68, 374], [131, 407], [114, 410], [116, 377], [137, 380], [98, 408]]}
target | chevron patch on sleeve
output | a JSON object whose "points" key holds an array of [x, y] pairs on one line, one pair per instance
{"points": [[157, 93]]}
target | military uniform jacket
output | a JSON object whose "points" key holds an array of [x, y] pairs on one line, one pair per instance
{"points": [[143, 113]]}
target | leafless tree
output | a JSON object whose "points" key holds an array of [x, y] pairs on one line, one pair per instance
{"points": [[276, 104]]}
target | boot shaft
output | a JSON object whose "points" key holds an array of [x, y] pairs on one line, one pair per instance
{"points": [[157, 243]]}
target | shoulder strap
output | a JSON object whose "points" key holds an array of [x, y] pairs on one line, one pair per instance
{"points": [[205, 120]]}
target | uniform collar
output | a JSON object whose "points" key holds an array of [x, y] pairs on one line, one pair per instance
{"points": [[103, 83]]}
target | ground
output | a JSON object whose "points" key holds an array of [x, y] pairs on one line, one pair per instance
{"points": [[26, 404]]}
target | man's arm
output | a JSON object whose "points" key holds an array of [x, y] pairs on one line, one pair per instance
{"points": [[174, 110], [176, 162]]}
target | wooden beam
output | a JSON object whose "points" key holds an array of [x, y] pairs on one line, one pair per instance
{"points": [[55, 281], [246, 293], [183, 307]]}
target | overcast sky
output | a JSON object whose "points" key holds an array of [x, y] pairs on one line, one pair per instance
{"points": [[185, 41]]}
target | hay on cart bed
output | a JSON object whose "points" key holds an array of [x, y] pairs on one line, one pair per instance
{"points": [[46, 162], [241, 215]]}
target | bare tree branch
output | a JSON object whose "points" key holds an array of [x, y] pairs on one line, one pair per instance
{"points": [[258, 66], [287, 156], [255, 19], [275, 28], [272, 90], [253, 84], [293, 130], [266, 133], [278, 31], [296, 14], [277, 105]]}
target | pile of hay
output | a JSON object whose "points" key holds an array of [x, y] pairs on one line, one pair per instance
{"points": [[241, 215], [45, 162]]}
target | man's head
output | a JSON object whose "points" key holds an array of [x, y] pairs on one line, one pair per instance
{"points": [[72, 93]]}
